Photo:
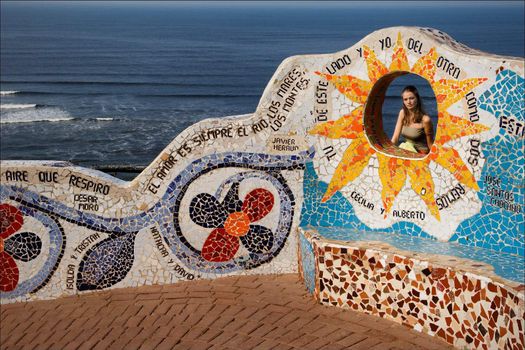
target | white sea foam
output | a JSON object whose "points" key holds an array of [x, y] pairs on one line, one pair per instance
{"points": [[48, 114], [2, 93], [103, 119], [17, 105], [56, 119]]}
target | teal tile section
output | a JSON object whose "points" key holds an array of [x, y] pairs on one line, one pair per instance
{"points": [[308, 263], [338, 211], [500, 225], [508, 266]]}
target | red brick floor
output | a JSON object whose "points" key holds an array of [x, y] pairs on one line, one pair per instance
{"points": [[248, 312]]}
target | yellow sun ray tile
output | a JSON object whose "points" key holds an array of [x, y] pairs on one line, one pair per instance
{"points": [[354, 160], [423, 184], [393, 176], [449, 159], [376, 69], [355, 89], [426, 65], [349, 126], [449, 92], [399, 58], [452, 127]]}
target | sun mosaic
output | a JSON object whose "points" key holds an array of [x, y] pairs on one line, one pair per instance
{"points": [[394, 170]]}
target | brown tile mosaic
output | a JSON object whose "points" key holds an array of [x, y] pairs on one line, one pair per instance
{"points": [[467, 308]]}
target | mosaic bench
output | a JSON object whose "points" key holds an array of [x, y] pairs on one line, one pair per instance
{"points": [[459, 300], [228, 195]]}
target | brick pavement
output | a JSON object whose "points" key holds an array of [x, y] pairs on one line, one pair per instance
{"points": [[247, 312]]}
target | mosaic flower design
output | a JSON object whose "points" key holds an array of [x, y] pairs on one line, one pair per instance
{"points": [[394, 171], [233, 221], [23, 246]]}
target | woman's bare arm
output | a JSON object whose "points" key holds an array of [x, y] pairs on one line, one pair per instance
{"points": [[429, 130], [399, 126]]}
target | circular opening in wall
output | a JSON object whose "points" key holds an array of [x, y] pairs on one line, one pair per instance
{"points": [[383, 108]]}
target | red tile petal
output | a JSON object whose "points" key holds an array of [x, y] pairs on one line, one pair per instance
{"points": [[8, 273], [257, 204], [11, 220], [220, 246]]}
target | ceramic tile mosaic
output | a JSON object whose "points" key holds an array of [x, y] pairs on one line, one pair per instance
{"points": [[307, 263], [242, 225], [502, 192], [507, 266], [429, 293], [440, 191], [227, 195]]}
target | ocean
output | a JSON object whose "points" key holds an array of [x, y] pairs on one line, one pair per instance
{"points": [[114, 82]]}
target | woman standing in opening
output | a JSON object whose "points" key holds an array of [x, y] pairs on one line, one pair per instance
{"points": [[413, 123]]}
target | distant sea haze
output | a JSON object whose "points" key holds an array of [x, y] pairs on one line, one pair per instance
{"points": [[98, 83]]}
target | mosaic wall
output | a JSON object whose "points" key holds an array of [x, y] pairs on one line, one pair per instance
{"points": [[228, 195], [468, 189], [426, 293], [223, 213]]}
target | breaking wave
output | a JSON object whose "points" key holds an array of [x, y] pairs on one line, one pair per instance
{"points": [[18, 105], [48, 114], [32, 115]]}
